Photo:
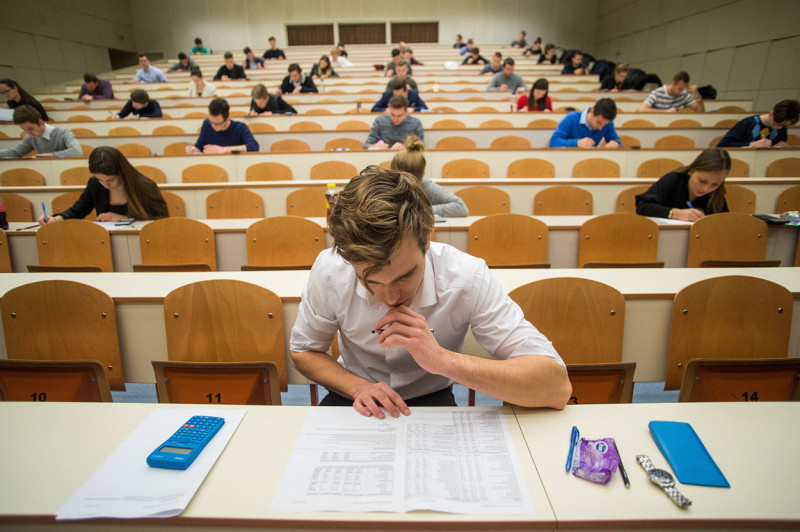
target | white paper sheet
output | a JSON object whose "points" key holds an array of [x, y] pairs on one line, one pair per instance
{"points": [[126, 487], [441, 459]]}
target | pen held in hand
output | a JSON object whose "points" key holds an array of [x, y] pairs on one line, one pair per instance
{"points": [[378, 331], [34, 226]]}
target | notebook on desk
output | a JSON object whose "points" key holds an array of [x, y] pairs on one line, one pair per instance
{"points": [[6, 115]]}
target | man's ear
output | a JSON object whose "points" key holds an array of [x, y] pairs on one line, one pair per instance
{"points": [[428, 243]]}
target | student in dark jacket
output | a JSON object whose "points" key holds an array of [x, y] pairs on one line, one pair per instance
{"points": [[296, 82], [16, 95], [690, 192], [617, 80], [116, 191], [763, 131], [230, 70], [139, 106], [263, 103], [220, 134], [398, 86]]}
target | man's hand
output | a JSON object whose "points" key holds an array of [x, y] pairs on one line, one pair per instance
{"points": [[671, 110], [520, 90], [380, 145], [115, 117], [50, 219], [503, 87], [224, 78], [297, 90], [368, 400], [405, 328], [110, 217], [612, 144], [213, 148], [687, 215], [43, 155], [781, 144], [87, 97], [397, 146], [761, 143], [586, 142]]}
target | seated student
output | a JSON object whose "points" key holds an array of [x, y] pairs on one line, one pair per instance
{"points": [[198, 47], [538, 99], [763, 131], [322, 69], [340, 49], [408, 55], [535, 49], [16, 95], [690, 192], [139, 106], [459, 42], [199, 87], [616, 81], [48, 141], [670, 98], [95, 89], [585, 129], [506, 80], [274, 52], [251, 62], [230, 70], [296, 82], [467, 48], [410, 159], [338, 60], [148, 73], [389, 131], [549, 55], [520, 42], [185, 64], [399, 87], [391, 66], [220, 134], [495, 66], [116, 191], [263, 103], [401, 73], [576, 65], [384, 273], [474, 57]]}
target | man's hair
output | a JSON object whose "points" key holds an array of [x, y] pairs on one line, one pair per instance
{"points": [[621, 67], [475, 50], [142, 55], [89, 78], [549, 46], [524, 33], [295, 66], [508, 61], [408, 50], [577, 53], [400, 63], [470, 41], [498, 55], [259, 91], [681, 76], [196, 72], [219, 107], [247, 50], [398, 102], [376, 210], [606, 108], [786, 110], [396, 52], [271, 38], [198, 40], [140, 96], [397, 84], [228, 55], [181, 56], [26, 113]]}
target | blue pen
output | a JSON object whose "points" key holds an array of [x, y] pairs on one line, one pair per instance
{"points": [[689, 203], [573, 441], [45, 213]]}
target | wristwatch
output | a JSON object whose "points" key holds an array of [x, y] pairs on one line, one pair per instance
{"points": [[663, 479]]}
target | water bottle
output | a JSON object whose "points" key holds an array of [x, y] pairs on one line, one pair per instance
{"points": [[513, 103], [3, 220], [331, 197]]}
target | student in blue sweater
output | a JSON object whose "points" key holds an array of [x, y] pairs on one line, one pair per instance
{"points": [[220, 134], [585, 129]]}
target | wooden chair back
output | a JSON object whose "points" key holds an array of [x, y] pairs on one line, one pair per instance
{"points": [[168, 131], [268, 172], [234, 203], [788, 200], [449, 124], [733, 316], [204, 173], [64, 201], [63, 320], [496, 123], [305, 125], [456, 143], [657, 167], [284, 241], [223, 320], [629, 141], [786, 167], [511, 142], [626, 200], [638, 123], [18, 208], [81, 381], [156, 175], [484, 200], [563, 200], [685, 123], [77, 176], [80, 118], [178, 241], [601, 383], [675, 142], [307, 202], [175, 148], [531, 167], [230, 383], [543, 123], [595, 167], [5, 254], [465, 169], [740, 199], [771, 379], [175, 204], [260, 127], [556, 305], [727, 236], [83, 132], [618, 238], [331, 170], [133, 149], [346, 143], [352, 125], [21, 177], [74, 243], [124, 131], [509, 240], [289, 146], [739, 168]]}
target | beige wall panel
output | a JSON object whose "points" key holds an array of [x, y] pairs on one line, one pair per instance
{"points": [[693, 64], [18, 48], [49, 52], [716, 69], [748, 66], [74, 59], [780, 70], [767, 99]]}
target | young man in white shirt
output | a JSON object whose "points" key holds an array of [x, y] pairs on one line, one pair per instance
{"points": [[402, 306]]}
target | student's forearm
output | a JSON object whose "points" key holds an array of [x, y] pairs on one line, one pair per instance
{"points": [[698, 106], [231, 149], [323, 369]]}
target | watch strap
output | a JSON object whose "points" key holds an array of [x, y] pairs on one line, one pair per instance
{"points": [[677, 497], [645, 462]]}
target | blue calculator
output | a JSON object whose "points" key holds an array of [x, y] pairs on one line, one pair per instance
{"points": [[180, 450]]}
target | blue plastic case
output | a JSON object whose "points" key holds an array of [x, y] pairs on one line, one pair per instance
{"points": [[687, 455]]}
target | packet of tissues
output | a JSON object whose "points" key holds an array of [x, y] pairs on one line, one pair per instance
{"points": [[596, 460]]}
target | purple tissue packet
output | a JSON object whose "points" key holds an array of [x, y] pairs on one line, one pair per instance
{"points": [[596, 460]]}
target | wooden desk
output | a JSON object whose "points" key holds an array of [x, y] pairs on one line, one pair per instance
{"points": [[648, 302], [752, 443]]}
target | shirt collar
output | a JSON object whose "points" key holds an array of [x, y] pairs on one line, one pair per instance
{"points": [[48, 130], [584, 117]]}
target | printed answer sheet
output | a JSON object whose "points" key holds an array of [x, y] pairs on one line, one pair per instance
{"points": [[441, 459]]}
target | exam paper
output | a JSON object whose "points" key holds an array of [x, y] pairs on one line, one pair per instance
{"points": [[126, 487], [441, 459]]}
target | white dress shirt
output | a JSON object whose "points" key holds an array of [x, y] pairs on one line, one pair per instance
{"points": [[457, 292]]}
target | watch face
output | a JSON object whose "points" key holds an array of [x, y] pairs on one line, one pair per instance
{"points": [[662, 478]]}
